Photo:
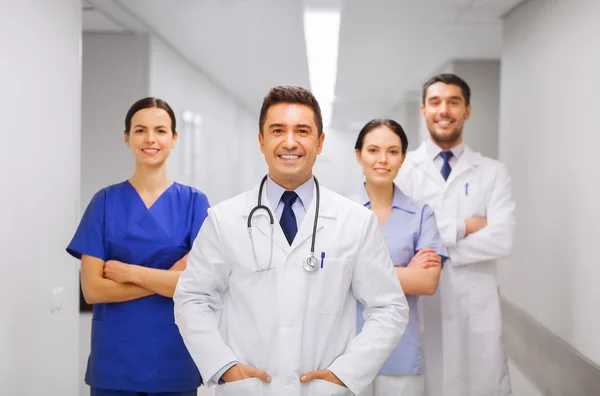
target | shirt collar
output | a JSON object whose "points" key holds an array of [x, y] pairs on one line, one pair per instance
{"points": [[433, 150], [400, 201], [304, 191]]}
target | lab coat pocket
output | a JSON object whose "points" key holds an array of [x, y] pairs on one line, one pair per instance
{"points": [[328, 285], [326, 388], [472, 201], [245, 387]]}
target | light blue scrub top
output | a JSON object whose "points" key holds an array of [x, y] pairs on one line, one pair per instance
{"points": [[136, 345], [410, 227]]}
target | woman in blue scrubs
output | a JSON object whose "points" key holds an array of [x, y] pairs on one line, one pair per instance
{"points": [[414, 243], [133, 241]]}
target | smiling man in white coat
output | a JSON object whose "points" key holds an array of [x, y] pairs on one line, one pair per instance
{"points": [[474, 208], [267, 303]]}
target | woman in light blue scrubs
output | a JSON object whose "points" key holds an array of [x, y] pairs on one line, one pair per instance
{"points": [[414, 243], [133, 242]]}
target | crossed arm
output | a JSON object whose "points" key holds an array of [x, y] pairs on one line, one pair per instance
{"points": [[114, 281], [490, 238], [422, 275]]}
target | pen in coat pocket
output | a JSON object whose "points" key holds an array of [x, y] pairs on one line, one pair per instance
{"points": [[467, 189]]}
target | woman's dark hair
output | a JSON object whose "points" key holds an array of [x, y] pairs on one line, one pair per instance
{"points": [[149, 103], [376, 123]]}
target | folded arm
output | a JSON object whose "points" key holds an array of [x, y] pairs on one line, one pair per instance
{"points": [[495, 239], [97, 289], [159, 281], [422, 275]]}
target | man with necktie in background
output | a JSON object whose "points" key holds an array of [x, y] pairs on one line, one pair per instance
{"points": [[472, 199]]}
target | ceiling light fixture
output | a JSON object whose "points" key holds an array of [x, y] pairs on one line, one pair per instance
{"points": [[321, 33]]}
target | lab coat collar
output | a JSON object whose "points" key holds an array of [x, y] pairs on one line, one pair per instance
{"points": [[468, 159], [420, 158]]}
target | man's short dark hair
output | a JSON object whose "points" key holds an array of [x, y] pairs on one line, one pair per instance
{"points": [[449, 79], [292, 95]]}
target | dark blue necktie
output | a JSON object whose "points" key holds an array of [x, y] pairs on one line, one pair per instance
{"points": [[288, 218], [446, 169]]}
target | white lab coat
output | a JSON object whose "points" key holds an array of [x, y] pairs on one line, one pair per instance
{"points": [[462, 325], [287, 321]]}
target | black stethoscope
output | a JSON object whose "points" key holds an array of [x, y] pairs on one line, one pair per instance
{"points": [[310, 263]]}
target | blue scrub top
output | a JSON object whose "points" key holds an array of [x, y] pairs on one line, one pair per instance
{"points": [[136, 345], [410, 227]]}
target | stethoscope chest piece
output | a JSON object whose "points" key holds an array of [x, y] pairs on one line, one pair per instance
{"points": [[310, 263]]}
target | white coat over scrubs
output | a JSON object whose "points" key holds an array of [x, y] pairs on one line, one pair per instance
{"points": [[462, 338], [288, 321]]}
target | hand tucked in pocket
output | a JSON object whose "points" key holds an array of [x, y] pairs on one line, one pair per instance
{"points": [[325, 375], [240, 372]]}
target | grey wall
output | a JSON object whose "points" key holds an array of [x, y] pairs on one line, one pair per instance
{"points": [[39, 205], [336, 167], [481, 131], [549, 140], [227, 158], [115, 75], [412, 122]]}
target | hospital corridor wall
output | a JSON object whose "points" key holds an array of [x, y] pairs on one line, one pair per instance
{"points": [[64, 98], [40, 80], [549, 140]]}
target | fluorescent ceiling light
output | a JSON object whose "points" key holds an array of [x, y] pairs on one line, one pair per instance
{"points": [[321, 33]]}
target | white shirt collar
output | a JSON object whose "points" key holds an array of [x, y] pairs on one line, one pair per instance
{"points": [[433, 150], [304, 191]]}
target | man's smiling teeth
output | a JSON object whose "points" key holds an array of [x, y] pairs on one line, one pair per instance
{"points": [[445, 122], [289, 156]]}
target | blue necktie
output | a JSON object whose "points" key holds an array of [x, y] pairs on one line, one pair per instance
{"points": [[446, 169], [288, 218]]}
